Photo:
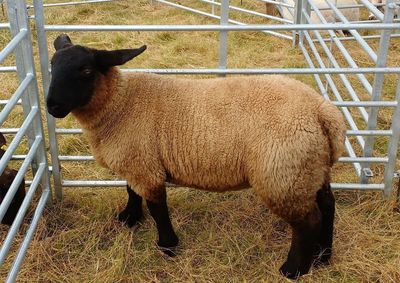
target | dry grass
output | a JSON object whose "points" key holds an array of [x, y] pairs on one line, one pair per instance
{"points": [[224, 237]]}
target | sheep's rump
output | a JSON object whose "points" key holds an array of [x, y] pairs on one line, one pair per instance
{"points": [[220, 134]]}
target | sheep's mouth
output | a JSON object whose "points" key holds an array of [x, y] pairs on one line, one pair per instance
{"points": [[58, 111]]}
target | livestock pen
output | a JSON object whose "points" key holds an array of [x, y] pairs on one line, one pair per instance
{"points": [[359, 73]]}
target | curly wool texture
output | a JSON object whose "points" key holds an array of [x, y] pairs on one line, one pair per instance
{"points": [[270, 132]]}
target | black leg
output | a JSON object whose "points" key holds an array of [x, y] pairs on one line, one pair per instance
{"points": [[304, 237], [133, 211], [167, 238], [326, 204]]}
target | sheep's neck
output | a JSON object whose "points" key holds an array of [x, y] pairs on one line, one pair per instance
{"points": [[101, 111]]}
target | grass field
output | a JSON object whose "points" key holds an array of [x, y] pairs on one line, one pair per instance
{"points": [[228, 237]]}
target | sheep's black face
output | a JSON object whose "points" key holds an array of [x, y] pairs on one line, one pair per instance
{"points": [[74, 71], [73, 78]]}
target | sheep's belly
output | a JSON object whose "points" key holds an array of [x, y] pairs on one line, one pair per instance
{"points": [[212, 174], [210, 187]]}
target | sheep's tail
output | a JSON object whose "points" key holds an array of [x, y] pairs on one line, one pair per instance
{"points": [[334, 127]]}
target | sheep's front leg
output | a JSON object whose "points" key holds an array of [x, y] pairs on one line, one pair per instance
{"points": [[167, 238], [305, 236], [133, 211]]}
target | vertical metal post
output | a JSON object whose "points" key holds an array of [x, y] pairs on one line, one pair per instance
{"points": [[213, 8], [377, 89], [298, 7], [223, 35], [51, 124], [393, 145]]}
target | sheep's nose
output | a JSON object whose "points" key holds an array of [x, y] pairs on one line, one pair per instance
{"points": [[54, 108]]}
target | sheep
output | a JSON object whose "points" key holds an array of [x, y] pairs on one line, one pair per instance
{"points": [[272, 133], [351, 14], [6, 179], [381, 8]]}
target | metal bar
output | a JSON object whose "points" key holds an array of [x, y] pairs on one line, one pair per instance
{"points": [[356, 186], [16, 12], [365, 37], [371, 53], [277, 3], [289, 27], [72, 3], [370, 133], [68, 131], [364, 159], [12, 44], [342, 48], [208, 71], [218, 17], [29, 234], [378, 84], [188, 9], [336, 65], [365, 104], [15, 97], [350, 151], [297, 33], [51, 124], [4, 25], [75, 158], [17, 139], [393, 146], [21, 213], [342, 159], [9, 130], [18, 157], [8, 69], [18, 178], [85, 183], [223, 35], [372, 8], [250, 12]]}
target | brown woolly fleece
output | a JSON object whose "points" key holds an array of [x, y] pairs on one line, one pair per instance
{"points": [[272, 133]]}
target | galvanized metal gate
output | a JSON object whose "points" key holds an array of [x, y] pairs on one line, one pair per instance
{"points": [[335, 80], [34, 161]]}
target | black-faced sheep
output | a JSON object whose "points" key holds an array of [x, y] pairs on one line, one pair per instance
{"points": [[6, 179], [272, 133]]}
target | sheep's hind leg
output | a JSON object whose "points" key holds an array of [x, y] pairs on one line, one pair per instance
{"points": [[305, 234], [167, 238], [326, 204], [133, 212]]}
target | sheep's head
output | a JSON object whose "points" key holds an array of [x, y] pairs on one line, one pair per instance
{"points": [[74, 71]]}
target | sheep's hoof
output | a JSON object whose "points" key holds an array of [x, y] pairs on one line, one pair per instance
{"points": [[291, 271], [171, 252], [128, 219], [168, 246], [322, 258]]}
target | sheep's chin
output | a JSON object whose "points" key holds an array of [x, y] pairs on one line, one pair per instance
{"points": [[59, 115]]}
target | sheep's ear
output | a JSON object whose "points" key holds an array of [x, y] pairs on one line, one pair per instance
{"points": [[106, 59], [62, 41]]}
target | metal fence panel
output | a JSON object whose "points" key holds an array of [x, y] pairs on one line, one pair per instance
{"points": [[35, 160]]}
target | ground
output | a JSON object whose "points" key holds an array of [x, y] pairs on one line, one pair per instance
{"points": [[228, 237]]}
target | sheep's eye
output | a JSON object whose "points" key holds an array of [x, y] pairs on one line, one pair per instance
{"points": [[87, 72]]}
